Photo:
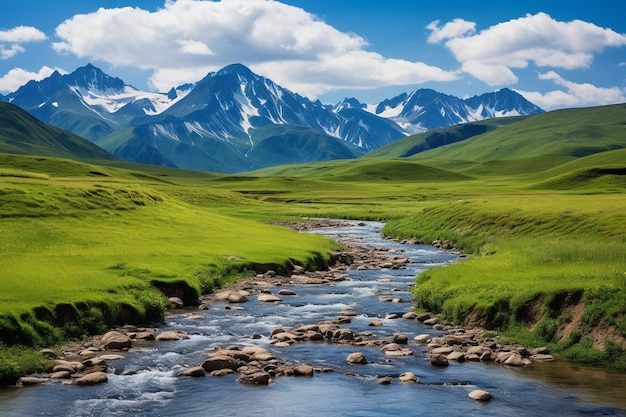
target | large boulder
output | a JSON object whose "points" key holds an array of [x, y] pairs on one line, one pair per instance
{"points": [[116, 340]]}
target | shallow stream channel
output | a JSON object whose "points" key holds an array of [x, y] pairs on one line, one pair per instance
{"points": [[146, 382]]}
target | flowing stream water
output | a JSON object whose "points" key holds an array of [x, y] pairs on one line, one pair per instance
{"points": [[145, 383]]}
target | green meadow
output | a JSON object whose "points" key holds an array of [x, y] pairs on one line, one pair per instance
{"points": [[86, 245]]}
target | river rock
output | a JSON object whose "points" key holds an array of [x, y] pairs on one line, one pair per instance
{"points": [[343, 334], [375, 323], [422, 338], [221, 362], [237, 298], [71, 366], [61, 375], [385, 380], [269, 298], [411, 315], [168, 336], [457, 356], [64, 368], [195, 371], [145, 335], [286, 337], [394, 349], [303, 370], [109, 357], [543, 357], [421, 317], [400, 338], [516, 360], [221, 372], [477, 350], [255, 378], [431, 321], [176, 302], [30, 380], [115, 340], [480, 395], [263, 357], [443, 350], [286, 292], [357, 358], [313, 336], [408, 378], [93, 378], [438, 360], [253, 350]]}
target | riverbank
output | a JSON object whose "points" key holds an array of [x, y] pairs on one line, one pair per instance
{"points": [[75, 364]]}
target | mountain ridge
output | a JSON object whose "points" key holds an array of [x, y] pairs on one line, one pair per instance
{"points": [[217, 117]]}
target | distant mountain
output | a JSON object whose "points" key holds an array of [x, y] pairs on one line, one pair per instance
{"points": [[22, 134], [214, 124], [427, 109], [87, 102], [518, 142]]}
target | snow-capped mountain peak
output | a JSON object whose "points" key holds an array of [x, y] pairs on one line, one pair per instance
{"points": [[233, 116]]}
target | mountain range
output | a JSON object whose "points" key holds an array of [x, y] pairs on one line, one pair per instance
{"points": [[234, 120]]}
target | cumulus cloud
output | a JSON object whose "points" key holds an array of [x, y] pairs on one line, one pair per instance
{"points": [[573, 94], [11, 40], [493, 54], [17, 77], [454, 29], [190, 37]]}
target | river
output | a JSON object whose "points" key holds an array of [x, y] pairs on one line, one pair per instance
{"points": [[145, 383]]}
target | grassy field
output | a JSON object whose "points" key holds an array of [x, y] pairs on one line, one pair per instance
{"points": [[86, 245]]}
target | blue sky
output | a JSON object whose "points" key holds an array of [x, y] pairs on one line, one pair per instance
{"points": [[557, 54]]}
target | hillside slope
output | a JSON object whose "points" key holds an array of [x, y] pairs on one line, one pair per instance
{"points": [[22, 134], [565, 133]]}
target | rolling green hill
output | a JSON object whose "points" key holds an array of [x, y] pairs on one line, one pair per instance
{"points": [[562, 133], [536, 203], [422, 142], [22, 134]]}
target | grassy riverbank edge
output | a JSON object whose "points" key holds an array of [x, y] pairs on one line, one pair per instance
{"points": [[539, 278]]}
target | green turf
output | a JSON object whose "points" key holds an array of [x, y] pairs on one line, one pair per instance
{"points": [[538, 203]]}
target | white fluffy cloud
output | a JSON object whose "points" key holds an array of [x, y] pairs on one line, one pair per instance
{"points": [[493, 54], [186, 38], [11, 40], [574, 94], [17, 77], [454, 29]]}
